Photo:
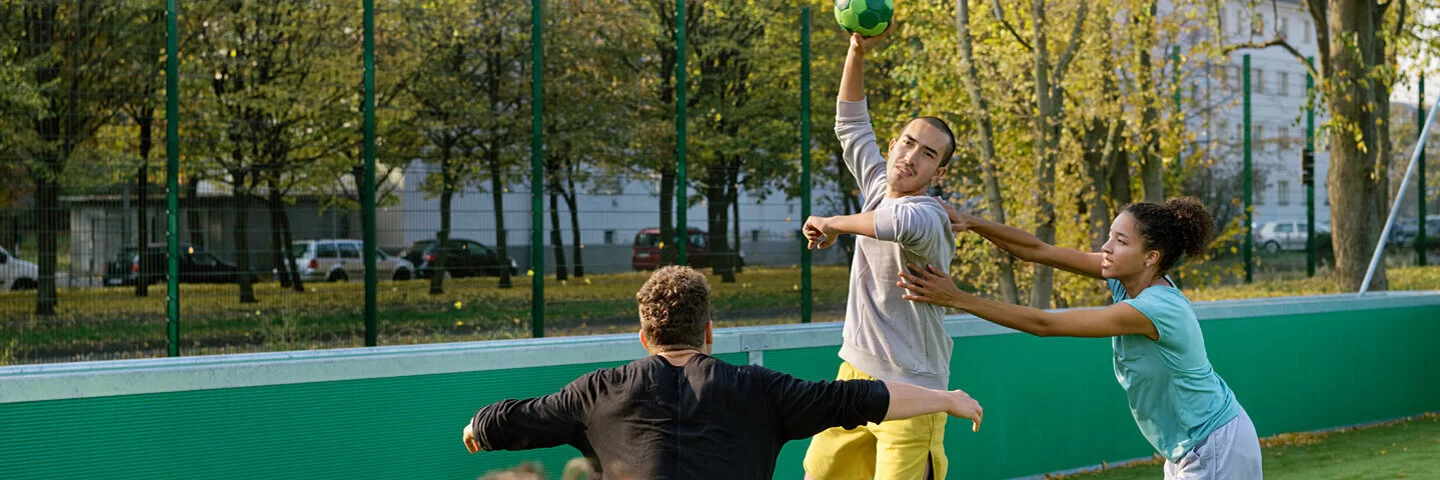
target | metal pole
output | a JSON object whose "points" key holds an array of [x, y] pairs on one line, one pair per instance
{"points": [[1175, 80], [537, 173], [681, 182], [1310, 187], [1421, 237], [172, 177], [1249, 207], [367, 192], [1399, 195], [805, 287]]}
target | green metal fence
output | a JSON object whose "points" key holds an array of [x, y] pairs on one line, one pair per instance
{"points": [[317, 154], [1051, 404]]}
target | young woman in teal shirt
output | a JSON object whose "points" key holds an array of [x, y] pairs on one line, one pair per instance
{"points": [[1183, 408]]}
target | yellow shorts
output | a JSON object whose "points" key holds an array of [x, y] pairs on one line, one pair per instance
{"points": [[897, 449]]}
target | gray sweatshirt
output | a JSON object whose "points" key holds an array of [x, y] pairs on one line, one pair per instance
{"points": [[886, 336]]}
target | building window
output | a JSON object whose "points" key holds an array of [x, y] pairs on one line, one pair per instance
{"points": [[755, 235], [1259, 191], [1305, 24], [1257, 84], [1282, 192], [1284, 82], [1283, 27], [1257, 139], [1257, 24], [609, 237], [1240, 21]]}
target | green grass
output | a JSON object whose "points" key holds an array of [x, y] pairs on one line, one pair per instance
{"points": [[1404, 449]]}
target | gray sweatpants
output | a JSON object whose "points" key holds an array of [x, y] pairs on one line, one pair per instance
{"points": [[1231, 452]]}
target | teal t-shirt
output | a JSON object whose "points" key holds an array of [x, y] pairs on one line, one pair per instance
{"points": [[1176, 397]]}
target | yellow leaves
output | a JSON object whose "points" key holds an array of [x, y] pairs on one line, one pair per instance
{"points": [[458, 305]]}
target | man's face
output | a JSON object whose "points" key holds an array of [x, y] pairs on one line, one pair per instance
{"points": [[914, 159]]}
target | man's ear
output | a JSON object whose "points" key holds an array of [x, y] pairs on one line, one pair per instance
{"points": [[710, 332], [643, 343]]}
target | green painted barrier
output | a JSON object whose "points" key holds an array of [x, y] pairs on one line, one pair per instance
{"points": [[1051, 404]]}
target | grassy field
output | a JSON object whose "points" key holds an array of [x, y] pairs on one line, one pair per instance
{"points": [[107, 323], [1403, 449]]}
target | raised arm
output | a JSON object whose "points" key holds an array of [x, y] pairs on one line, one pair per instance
{"points": [[852, 78], [930, 285], [1025, 246]]}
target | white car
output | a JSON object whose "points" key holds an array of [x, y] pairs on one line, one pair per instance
{"points": [[339, 260], [1274, 236], [17, 274]]}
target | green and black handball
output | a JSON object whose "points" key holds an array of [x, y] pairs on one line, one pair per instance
{"points": [[867, 17]]}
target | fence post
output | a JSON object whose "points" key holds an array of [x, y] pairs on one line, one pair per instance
{"points": [[1249, 178], [537, 173], [805, 287], [367, 190], [172, 177]]}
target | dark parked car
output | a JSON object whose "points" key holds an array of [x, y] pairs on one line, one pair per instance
{"points": [[464, 258], [197, 265], [122, 269], [645, 253]]}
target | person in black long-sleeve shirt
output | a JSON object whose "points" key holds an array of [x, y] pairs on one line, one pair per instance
{"points": [[680, 413]]}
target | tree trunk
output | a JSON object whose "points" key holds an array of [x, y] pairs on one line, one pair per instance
{"points": [[442, 236], [575, 245], [735, 260], [242, 232], [994, 203], [1152, 169], [1358, 178], [667, 215], [718, 210], [288, 241], [47, 215], [556, 239], [1120, 194], [497, 195], [1046, 135], [277, 250], [192, 211], [146, 119]]}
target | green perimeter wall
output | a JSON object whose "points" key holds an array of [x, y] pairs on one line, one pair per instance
{"points": [[1051, 404]]}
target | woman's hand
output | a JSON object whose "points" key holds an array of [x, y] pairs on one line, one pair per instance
{"points": [[959, 221], [930, 285]]}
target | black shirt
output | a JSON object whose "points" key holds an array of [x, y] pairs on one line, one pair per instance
{"points": [[707, 419]]}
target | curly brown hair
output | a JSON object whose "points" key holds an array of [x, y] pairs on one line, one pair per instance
{"points": [[674, 308], [1180, 229]]}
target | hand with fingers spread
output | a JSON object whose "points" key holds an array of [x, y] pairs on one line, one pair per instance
{"points": [[820, 232], [963, 406], [930, 285], [471, 443]]}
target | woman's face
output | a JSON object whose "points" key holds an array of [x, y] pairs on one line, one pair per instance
{"points": [[1125, 252]]}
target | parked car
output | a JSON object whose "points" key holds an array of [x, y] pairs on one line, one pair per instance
{"points": [[645, 253], [464, 258], [1277, 235], [122, 269], [339, 260], [197, 265], [17, 274]]}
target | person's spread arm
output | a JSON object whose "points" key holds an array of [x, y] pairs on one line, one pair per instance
{"points": [[930, 285], [1025, 246], [548, 421]]}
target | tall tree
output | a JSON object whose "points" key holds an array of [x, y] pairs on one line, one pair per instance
{"points": [[63, 56]]}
